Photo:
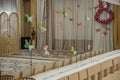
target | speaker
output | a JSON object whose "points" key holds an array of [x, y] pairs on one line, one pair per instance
{"points": [[23, 41]]}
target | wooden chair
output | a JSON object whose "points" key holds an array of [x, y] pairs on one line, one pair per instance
{"points": [[108, 70], [6, 77], [97, 52], [49, 66], [78, 57], [58, 64], [38, 69], [93, 53], [83, 75], [101, 51], [88, 55], [93, 71], [83, 56], [74, 76], [116, 64], [26, 72], [26, 78], [66, 61], [64, 78], [73, 59]]}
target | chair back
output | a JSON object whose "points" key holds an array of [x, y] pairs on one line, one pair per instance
{"points": [[107, 67], [39, 69], [93, 53], [95, 70], [74, 76], [66, 61], [88, 55], [58, 64], [101, 51], [83, 75], [78, 57], [116, 63], [83, 56], [73, 59], [49, 66]]}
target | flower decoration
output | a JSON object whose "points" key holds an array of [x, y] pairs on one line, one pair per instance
{"points": [[101, 9], [73, 50]]}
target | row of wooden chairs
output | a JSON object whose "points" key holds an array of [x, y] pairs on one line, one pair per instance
{"points": [[10, 77], [107, 70], [53, 65], [64, 62]]}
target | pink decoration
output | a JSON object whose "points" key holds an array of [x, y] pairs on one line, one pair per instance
{"points": [[58, 11], [70, 9], [104, 33], [89, 47], [79, 24], [45, 50], [71, 19], [98, 29]]}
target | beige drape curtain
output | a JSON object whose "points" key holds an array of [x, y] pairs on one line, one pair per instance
{"points": [[8, 5], [76, 28], [99, 40], [116, 27], [41, 12]]}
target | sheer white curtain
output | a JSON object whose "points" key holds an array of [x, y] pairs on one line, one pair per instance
{"points": [[71, 23], [9, 5], [41, 17], [101, 41]]}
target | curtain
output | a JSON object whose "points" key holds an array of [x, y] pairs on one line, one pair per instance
{"points": [[71, 23], [41, 13], [102, 41], [9, 5], [116, 27]]}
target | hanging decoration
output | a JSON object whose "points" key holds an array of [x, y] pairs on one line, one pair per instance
{"points": [[101, 9], [70, 9], [79, 24], [28, 18], [59, 23], [98, 29], [45, 49], [73, 50], [87, 18], [27, 43], [58, 11], [104, 33], [71, 19], [64, 13], [42, 29]]}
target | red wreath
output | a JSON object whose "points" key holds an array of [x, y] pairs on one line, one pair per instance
{"points": [[100, 10]]}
